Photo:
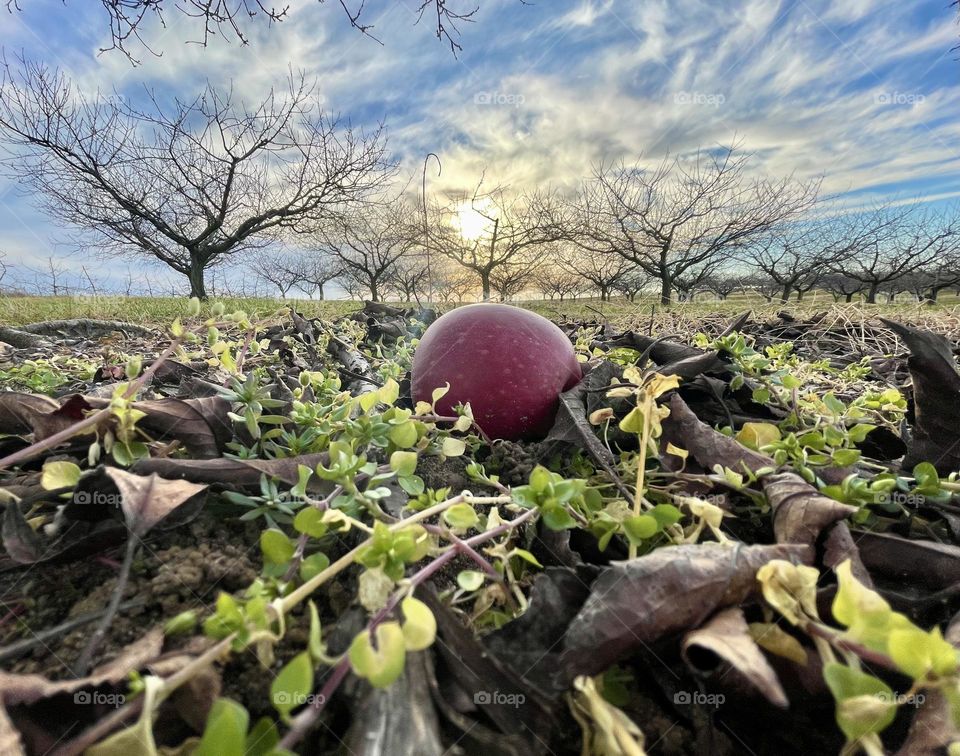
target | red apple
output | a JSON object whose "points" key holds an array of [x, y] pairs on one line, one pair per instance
{"points": [[510, 364]]}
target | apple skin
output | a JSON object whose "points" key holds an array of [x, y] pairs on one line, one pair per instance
{"points": [[509, 363]]}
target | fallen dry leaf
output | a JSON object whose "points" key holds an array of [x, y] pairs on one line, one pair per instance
{"points": [[235, 473], [145, 501], [727, 636], [20, 541], [936, 398], [709, 447], [671, 590], [800, 512]]}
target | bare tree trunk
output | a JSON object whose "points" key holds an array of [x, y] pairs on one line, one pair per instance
{"points": [[872, 293], [197, 287], [785, 293], [666, 289], [485, 283]]}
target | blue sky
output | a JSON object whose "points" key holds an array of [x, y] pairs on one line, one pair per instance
{"points": [[864, 92]]}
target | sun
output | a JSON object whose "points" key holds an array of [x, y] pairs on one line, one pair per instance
{"points": [[471, 221]]}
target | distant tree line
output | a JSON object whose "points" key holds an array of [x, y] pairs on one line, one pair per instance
{"points": [[302, 202]]}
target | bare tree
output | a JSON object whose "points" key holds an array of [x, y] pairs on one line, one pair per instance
{"points": [[554, 281], [695, 278], [683, 213], [505, 231], [226, 18], [4, 268], [723, 283], [369, 244], [315, 270], [510, 280], [879, 246], [276, 268], [601, 270], [840, 285], [761, 284], [453, 283], [631, 284], [190, 184], [792, 254], [937, 275], [408, 277]]}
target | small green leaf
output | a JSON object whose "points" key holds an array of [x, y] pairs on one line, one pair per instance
{"points": [[470, 580], [225, 733], [133, 367], [404, 435], [865, 704], [556, 517], [383, 664], [453, 447], [540, 479], [755, 435], [181, 624], [419, 624], [403, 463], [640, 527], [59, 475], [389, 392], [633, 422], [461, 516], [315, 646], [439, 393], [527, 557], [277, 548], [313, 565], [845, 457], [310, 521], [292, 685], [368, 401], [666, 515], [263, 738], [918, 653]]}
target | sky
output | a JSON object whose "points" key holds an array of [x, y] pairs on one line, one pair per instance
{"points": [[864, 93]]}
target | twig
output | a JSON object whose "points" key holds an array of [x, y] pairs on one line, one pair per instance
{"points": [[21, 647], [83, 662]]}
